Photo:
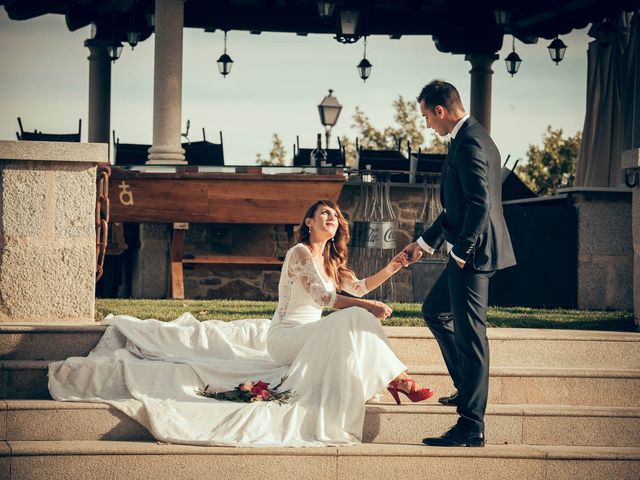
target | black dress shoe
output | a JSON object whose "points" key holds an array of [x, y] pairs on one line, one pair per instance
{"points": [[456, 437], [450, 400]]}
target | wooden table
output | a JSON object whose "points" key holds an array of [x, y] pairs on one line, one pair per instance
{"points": [[201, 197]]}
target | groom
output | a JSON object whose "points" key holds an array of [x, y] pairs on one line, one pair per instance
{"points": [[478, 243]]}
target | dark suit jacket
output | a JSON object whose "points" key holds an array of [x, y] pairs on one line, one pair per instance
{"points": [[471, 195]]}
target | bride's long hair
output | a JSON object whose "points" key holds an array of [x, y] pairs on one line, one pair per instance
{"points": [[336, 251]]}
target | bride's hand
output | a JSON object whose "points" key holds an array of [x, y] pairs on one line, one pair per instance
{"points": [[398, 262], [380, 310]]}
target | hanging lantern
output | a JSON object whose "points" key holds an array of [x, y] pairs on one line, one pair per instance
{"points": [[556, 50], [513, 60], [325, 8], [502, 17], [114, 50], [348, 26], [133, 38], [224, 62], [364, 67]]}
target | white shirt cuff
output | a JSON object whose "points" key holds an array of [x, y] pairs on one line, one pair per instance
{"points": [[456, 258], [425, 246]]}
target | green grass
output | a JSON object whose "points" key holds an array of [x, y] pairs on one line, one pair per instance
{"points": [[404, 314]]}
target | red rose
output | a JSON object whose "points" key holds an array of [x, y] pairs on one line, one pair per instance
{"points": [[256, 391], [265, 394], [261, 385]]}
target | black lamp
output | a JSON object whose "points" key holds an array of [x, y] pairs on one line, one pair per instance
{"points": [[329, 110], [348, 26], [556, 50], [133, 38], [325, 8], [224, 62], [502, 17], [513, 60], [364, 67], [114, 50]]}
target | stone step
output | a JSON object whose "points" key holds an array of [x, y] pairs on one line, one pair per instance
{"points": [[47, 420], [23, 379], [510, 347], [528, 347], [96, 460]]}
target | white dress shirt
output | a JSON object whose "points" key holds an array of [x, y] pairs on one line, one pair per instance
{"points": [[424, 245]]}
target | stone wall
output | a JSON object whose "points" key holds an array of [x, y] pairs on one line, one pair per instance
{"points": [[47, 231], [605, 249]]}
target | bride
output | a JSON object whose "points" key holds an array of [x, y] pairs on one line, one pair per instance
{"points": [[151, 370]]}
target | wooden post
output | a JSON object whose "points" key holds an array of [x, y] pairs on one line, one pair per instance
{"points": [[177, 254]]}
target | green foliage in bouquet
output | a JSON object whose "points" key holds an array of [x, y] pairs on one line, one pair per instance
{"points": [[248, 392]]}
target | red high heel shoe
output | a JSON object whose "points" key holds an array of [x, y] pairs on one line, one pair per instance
{"points": [[414, 394]]}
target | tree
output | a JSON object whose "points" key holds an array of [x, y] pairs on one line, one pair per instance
{"points": [[277, 155], [554, 165], [409, 127]]}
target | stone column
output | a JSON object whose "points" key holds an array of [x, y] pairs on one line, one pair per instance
{"points": [[167, 84], [99, 91], [480, 101], [152, 262], [47, 230], [631, 161]]}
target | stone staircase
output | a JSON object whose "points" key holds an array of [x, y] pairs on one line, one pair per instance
{"points": [[562, 405]]}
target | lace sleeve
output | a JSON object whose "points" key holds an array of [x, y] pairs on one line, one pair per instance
{"points": [[353, 286], [301, 268]]}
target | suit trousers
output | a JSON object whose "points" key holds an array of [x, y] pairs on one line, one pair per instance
{"points": [[455, 310]]}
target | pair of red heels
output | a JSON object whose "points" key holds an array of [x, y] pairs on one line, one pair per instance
{"points": [[414, 394]]}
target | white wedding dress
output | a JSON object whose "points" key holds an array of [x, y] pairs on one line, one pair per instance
{"points": [[151, 370]]}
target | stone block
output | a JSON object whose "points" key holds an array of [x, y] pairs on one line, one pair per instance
{"points": [[636, 287], [151, 262], [3, 420], [47, 283], [237, 289], [75, 191], [620, 289], [463, 466], [23, 193], [585, 431], [155, 231], [603, 469], [5, 464], [226, 465], [271, 281], [602, 391], [605, 282], [604, 225], [592, 285], [94, 423]]}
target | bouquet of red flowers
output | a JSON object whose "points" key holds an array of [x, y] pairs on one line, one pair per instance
{"points": [[251, 392]]}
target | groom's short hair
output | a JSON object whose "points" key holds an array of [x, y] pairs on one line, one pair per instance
{"points": [[439, 92]]}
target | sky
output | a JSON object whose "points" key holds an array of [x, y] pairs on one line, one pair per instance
{"points": [[276, 83]]}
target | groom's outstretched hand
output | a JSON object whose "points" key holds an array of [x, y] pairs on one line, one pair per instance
{"points": [[413, 253]]}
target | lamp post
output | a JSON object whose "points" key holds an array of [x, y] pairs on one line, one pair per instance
{"points": [[329, 110]]}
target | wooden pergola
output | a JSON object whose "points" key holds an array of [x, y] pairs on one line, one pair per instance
{"points": [[470, 28]]}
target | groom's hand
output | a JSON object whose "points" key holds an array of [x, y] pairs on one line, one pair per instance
{"points": [[414, 252]]}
